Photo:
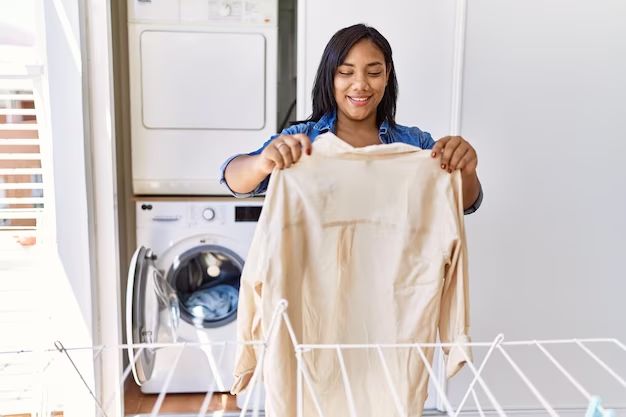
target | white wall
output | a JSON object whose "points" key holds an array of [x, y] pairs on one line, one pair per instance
{"points": [[104, 208], [70, 295], [64, 71], [78, 54], [543, 104]]}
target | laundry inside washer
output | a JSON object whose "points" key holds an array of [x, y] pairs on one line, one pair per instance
{"points": [[207, 283], [213, 302]]}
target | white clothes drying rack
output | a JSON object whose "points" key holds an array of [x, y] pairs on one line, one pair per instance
{"points": [[41, 406]]}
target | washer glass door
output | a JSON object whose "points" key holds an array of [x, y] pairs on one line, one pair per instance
{"points": [[152, 312], [206, 280]]}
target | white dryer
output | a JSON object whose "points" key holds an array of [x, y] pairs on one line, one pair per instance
{"points": [[183, 286], [203, 86]]}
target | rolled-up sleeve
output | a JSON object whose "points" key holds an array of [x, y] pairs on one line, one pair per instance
{"points": [[477, 203], [258, 190], [425, 139], [261, 188]]}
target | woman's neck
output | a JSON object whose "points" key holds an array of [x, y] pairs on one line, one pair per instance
{"points": [[357, 132]]}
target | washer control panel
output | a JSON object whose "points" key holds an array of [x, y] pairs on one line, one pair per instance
{"points": [[194, 214], [242, 12]]}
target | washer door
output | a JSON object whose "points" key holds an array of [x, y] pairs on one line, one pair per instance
{"points": [[152, 312], [206, 279]]}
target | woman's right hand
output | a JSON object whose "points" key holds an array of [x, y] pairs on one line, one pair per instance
{"points": [[283, 152]]}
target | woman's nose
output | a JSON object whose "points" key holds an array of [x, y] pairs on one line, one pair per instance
{"points": [[360, 82]]}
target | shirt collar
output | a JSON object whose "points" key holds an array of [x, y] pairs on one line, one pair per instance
{"points": [[327, 123], [382, 130], [329, 144]]}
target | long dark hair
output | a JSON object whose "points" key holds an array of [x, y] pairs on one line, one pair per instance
{"points": [[334, 55]]}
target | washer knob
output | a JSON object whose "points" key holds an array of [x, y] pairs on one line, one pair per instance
{"points": [[208, 214], [225, 10]]}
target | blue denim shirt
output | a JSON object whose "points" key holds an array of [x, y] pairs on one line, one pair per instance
{"points": [[387, 134]]}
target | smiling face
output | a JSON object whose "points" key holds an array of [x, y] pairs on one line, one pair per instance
{"points": [[360, 82]]}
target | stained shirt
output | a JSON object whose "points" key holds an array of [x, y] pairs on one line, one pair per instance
{"points": [[387, 134], [374, 253]]}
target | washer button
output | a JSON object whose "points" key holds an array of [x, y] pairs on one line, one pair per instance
{"points": [[208, 214], [225, 10]]}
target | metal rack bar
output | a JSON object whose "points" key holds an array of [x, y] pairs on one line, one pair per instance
{"points": [[346, 384], [331, 346], [166, 384], [477, 377], [206, 401], [253, 382], [312, 392], [480, 409], [530, 385], [305, 382], [208, 351], [392, 389], [569, 376], [280, 308], [98, 353], [438, 387], [299, 387], [139, 345], [470, 344], [125, 374], [62, 349], [602, 363], [302, 366]]}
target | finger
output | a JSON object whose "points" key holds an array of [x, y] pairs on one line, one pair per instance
{"points": [[305, 142], [294, 147], [458, 154], [447, 152], [285, 152], [274, 155], [465, 161], [468, 162], [439, 145]]}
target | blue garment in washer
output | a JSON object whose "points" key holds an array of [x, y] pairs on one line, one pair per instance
{"points": [[213, 303]]}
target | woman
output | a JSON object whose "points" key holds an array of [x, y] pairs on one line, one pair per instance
{"points": [[354, 97]]}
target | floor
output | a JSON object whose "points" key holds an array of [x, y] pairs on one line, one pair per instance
{"points": [[135, 402]]}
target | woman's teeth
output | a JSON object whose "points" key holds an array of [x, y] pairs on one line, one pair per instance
{"points": [[359, 100]]}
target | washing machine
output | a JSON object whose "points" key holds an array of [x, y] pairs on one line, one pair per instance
{"points": [[183, 286], [203, 87]]}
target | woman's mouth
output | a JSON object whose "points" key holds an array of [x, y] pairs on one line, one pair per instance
{"points": [[359, 101]]}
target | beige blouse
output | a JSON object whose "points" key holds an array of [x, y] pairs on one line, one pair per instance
{"points": [[368, 246]]}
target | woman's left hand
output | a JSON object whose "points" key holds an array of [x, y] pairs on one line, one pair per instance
{"points": [[456, 153]]}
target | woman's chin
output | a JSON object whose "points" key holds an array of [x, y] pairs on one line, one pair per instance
{"points": [[359, 115]]}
